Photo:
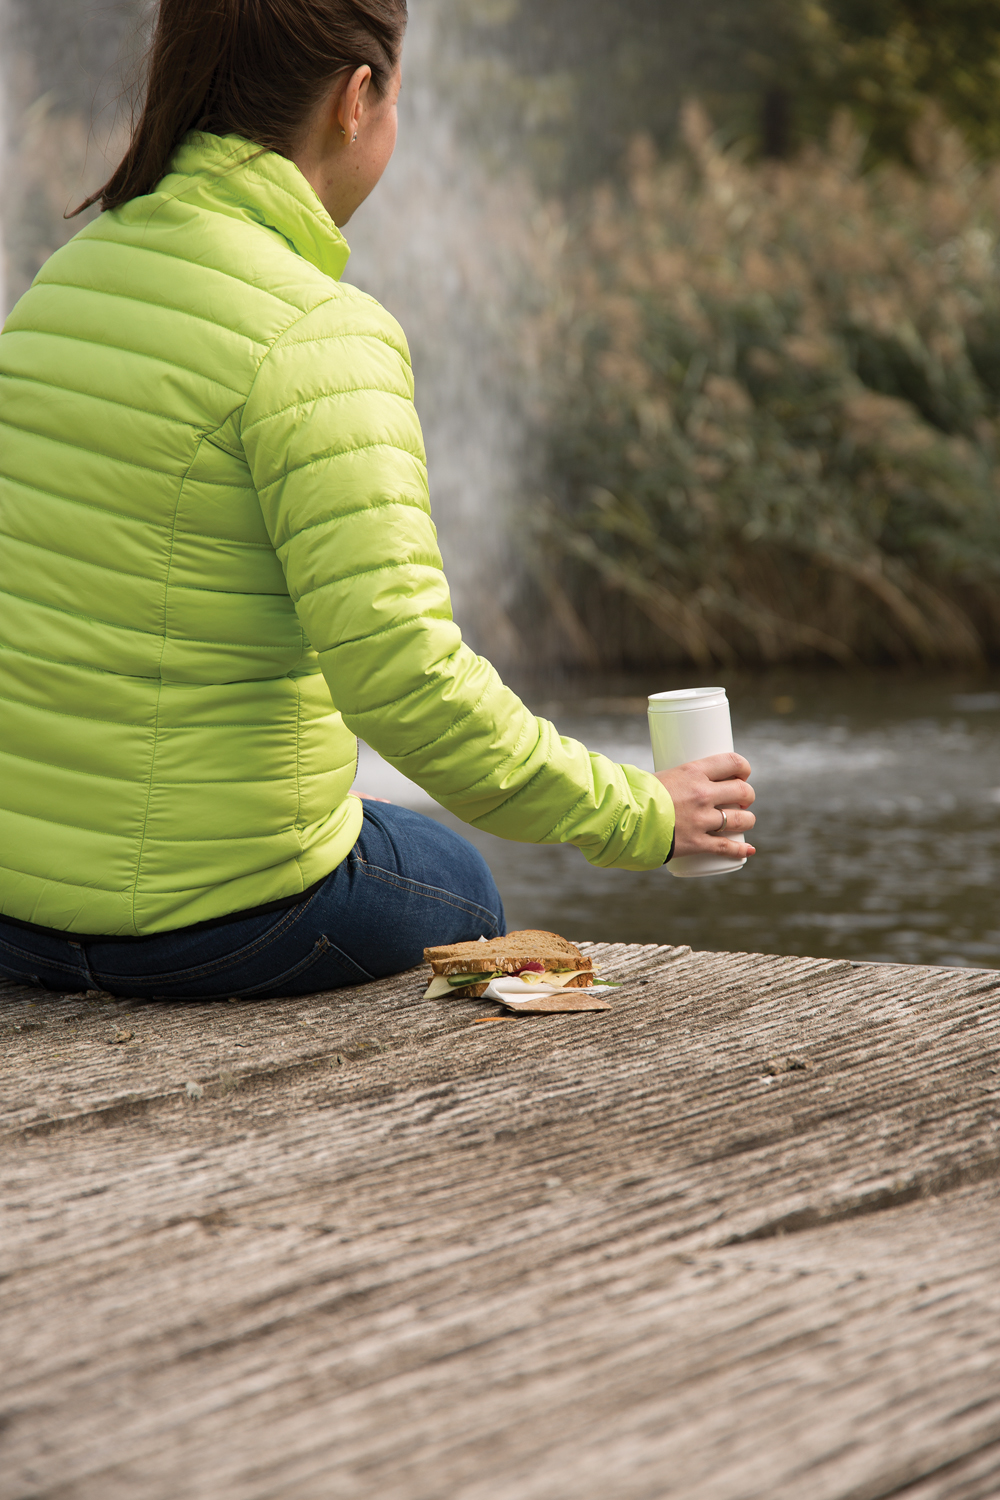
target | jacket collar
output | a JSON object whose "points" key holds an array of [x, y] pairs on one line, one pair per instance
{"points": [[236, 177]]}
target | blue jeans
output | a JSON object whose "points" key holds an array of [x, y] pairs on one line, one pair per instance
{"points": [[407, 884]]}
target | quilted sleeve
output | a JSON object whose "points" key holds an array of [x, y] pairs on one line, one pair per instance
{"points": [[336, 453]]}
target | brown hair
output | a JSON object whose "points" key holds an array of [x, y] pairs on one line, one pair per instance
{"points": [[255, 68]]}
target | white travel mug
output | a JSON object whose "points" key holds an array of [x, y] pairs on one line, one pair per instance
{"points": [[688, 725]]}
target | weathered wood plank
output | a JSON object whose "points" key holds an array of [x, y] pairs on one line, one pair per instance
{"points": [[540, 1256], [62, 1060], [974, 1477]]}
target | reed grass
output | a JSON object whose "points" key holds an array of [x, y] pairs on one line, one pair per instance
{"points": [[771, 409]]}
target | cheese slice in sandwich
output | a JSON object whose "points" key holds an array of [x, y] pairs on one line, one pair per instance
{"points": [[466, 970]]}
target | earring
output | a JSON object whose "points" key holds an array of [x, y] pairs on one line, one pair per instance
{"points": [[354, 137]]}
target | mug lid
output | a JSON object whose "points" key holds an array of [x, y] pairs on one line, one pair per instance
{"points": [[701, 697]]}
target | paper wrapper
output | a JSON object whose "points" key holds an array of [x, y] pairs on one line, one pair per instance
{"points": [[537, 999]]}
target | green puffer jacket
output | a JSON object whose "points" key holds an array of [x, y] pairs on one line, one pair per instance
{"points": [[217, 566]]}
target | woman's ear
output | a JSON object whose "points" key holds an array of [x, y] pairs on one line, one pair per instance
{"points": [[353, 101]]}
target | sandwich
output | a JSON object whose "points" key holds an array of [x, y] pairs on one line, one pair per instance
{"points": [[467, 970]]}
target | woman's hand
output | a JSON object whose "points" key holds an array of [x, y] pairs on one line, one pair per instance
{"points": [[700, 790]]}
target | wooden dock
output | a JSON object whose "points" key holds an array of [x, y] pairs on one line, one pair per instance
{"points": [[737, 1239]]}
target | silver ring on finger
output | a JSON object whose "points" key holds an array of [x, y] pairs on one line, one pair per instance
{"points": [[723, 825]]}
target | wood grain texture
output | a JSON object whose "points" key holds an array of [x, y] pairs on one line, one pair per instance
{"points": [[736, 1238]]}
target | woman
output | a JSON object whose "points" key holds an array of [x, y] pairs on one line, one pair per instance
{"points": [[219, 567]]}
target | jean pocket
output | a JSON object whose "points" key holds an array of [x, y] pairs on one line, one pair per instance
{"points": [[225, 980], [349, 973], [321, 947], [206, 980]]}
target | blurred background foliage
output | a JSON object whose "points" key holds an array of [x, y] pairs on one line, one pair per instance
{"points": [[565, 84], [768, 411], [771, 410]]}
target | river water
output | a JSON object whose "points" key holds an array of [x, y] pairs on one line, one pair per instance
{"points": [[878, 830]]}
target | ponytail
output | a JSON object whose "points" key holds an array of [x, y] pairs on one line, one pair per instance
{"points": [[255, 68]]}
